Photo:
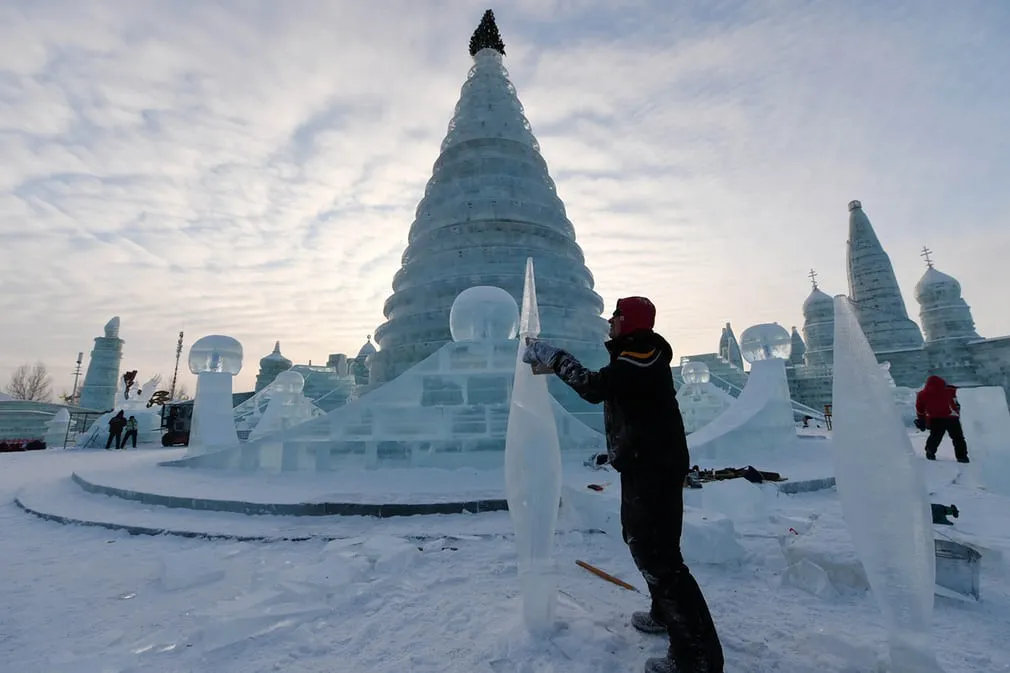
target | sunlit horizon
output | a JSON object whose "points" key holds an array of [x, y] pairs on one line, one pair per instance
{"points": [[252, 170]]}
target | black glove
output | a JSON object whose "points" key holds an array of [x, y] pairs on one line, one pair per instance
{"points": [[920, 423]]}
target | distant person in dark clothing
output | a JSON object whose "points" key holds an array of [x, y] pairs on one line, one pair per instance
{"points": [[647, 444], [131, 431], [937, 408], [116, 425]]}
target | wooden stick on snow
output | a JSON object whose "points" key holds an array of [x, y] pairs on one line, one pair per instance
{"points": [[607, 576]]}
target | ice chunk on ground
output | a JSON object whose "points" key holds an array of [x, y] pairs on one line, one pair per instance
{"points": [[325, 576], [809, 577], [191, 568], [390, 554], [219, 634], [709, 537], [827, 544], [254, 615], [586, 509], [343, 544], [738, 499]]}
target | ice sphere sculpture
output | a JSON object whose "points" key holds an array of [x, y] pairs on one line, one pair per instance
{"points": [[768, 341], [695, 373], [215, 353], [986, 422], [483, 312], [533, 475], [702, 403], [289, 383], [883, 496], [215, 359]]}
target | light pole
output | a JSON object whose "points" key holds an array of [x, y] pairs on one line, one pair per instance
{"points": [[77, 375]]}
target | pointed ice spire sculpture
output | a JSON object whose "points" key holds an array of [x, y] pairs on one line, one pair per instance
{"points": [[533, 475], [883, 496]]}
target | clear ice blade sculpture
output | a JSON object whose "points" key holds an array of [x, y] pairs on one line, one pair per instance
{"points": [[883, 496], [533, 475]]}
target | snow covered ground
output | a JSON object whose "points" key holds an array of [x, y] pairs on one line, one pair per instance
{"points": [[434, 593]]}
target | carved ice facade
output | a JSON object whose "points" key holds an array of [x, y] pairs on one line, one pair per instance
{"points": [[450, 410]]}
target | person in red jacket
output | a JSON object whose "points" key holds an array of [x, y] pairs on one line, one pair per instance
{"points": [[937, 408]]}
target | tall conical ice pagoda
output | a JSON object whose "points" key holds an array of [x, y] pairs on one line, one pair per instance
{"points": [[490, 204], [874, 289]]}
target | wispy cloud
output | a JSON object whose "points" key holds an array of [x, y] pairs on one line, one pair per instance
{"points": [[252, 168]]}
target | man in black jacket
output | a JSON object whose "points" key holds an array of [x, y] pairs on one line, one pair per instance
{"points": [[646, 443]]}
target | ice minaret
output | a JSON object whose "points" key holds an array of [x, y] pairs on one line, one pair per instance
{"points": [[818, 326], [874, 290], [799, 349], [944, 314], [270, 366], [102, 377], [490, 204], [729, 349]]}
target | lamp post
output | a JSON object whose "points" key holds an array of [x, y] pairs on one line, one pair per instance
{"points": [[77, 375]]}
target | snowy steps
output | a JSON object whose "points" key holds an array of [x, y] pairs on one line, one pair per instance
{"points": [[382, 510], [63, 501]]}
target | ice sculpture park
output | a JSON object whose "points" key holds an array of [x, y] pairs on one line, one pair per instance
{"points": [[434, 459], [434, 505]]}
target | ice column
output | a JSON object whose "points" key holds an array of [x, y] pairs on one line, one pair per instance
{"points": [[215, 360], [533, 475], [883, 496]]}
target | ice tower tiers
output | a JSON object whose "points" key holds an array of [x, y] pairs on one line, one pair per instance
{"points": [[490, 204], [874, 290], [102, 377]]}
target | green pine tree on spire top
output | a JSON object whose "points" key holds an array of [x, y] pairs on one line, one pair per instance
{"points": [[486, 36]]}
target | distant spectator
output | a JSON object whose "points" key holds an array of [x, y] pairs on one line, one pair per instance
{"points": [[937, 408], [131, 431], [116, 425]]}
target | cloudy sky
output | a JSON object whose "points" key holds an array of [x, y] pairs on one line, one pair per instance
{"points": [[251, 167]]}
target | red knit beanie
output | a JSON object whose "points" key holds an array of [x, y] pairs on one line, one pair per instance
{"points": [[635, 313]]}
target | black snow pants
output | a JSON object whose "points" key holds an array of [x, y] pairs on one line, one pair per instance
{"points": [[952, 426], [652, 518], [116, 435], [130, 435]]}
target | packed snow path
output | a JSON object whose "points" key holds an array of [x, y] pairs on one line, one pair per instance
{"points": [[89, 600]]}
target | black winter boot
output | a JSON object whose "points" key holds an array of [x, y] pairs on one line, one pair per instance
{"points": [[646, 623], [661, 665]]}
